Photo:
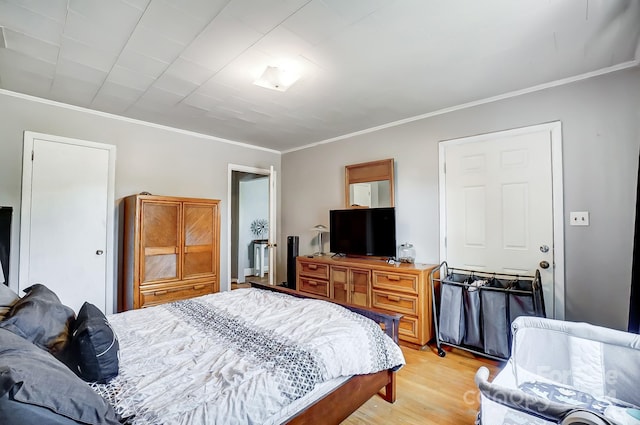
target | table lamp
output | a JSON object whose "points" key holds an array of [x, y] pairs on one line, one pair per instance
{"points": [[320, 228]]}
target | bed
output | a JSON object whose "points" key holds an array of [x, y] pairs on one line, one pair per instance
{"points": [[245, 356]]}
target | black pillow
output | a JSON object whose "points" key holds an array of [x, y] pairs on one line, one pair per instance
{"points": [[36, 389], [41, 318], [94, 345]]}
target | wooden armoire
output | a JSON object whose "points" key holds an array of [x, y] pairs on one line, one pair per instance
{"points": [[171, 249]]}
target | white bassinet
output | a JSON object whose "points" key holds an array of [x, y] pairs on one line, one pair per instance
{"points": [[564, 373]]}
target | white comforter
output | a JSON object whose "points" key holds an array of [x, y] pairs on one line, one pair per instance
{"points": [[237, 357]]}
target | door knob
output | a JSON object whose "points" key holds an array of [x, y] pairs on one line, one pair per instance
{"points": [[544, 264], [99, 252]]}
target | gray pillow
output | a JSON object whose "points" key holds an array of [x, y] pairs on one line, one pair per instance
{"points": [[41, 318], [35, 389], [7, 299]]}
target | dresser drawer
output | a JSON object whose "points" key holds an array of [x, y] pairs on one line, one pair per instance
{"points": [[314, 286], [320, 271], [409, 327], [165, 295], [399, 303], [396, 282]]}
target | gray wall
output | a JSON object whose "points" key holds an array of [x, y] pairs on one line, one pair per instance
{"points": [[160, 161], [600, 125]]}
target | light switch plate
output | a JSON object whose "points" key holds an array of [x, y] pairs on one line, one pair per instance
{"points": [[579, 218]]}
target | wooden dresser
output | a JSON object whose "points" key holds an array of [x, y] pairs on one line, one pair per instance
{"points": [[171, 249], [401, 288]]}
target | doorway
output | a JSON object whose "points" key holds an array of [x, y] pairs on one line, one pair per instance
{"points": [[501, 207], [251, 225], [67, 219]]}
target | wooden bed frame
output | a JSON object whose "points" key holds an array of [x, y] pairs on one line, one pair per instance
{"points": [[347, 398]]}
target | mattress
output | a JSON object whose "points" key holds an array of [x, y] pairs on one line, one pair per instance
{"points": [[246, 356]]}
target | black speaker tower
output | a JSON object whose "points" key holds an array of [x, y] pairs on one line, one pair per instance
{"points": [[292, 253]]}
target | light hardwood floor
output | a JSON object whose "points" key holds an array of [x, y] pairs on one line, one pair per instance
{"points": [[430, 390]]}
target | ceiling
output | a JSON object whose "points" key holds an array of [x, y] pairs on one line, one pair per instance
{"points": [[190, 64]]}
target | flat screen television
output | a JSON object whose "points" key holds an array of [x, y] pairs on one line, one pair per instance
{"points": [[363, 231]]}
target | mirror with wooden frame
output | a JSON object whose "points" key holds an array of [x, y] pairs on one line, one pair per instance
{"points": [[369, 184]]}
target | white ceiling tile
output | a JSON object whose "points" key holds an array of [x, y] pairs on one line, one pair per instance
{"points": [[138, 4], [115, 16], [129, 78], [264, 15], [26, 63], [224, 39], [92, 33], [157, 99], [25, 82], [200, 101], [354, 10], [72, 91], [281, 43], [52, 9], [172, 22], [316, 22], [31, 46], [80, 72], [113, 90], [201, 9], [17, 18], [141, 63], [189, 71], [175, 85], [213, 88], [106, 103], [154, 45], [79, 52]]}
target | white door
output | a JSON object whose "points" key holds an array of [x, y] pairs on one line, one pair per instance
{"points": [[499, 207], [272, 226], [361, 194], [234, 221], [67, 219]]}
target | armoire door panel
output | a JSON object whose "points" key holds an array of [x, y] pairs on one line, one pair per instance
{"points": [[160, 267], [160, 224], [198, 224], [198, 264]]}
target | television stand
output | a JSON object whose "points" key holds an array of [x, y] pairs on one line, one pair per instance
{"points": [[374, 283]]}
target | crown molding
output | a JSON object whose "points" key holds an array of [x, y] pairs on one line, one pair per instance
{"points": [[132, 120], [556, 83]]}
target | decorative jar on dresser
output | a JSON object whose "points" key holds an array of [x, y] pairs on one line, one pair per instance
{"points": [[171, 249]]}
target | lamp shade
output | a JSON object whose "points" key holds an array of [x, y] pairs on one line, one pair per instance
{"points": [[320, 228]]}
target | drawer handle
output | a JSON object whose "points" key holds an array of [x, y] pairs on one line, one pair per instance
{"points": [[393, 298], [159, 292], [313, 267], [312, 283], [393, 277], [196, 287]]}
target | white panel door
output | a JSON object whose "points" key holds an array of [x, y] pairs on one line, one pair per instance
{"points": [[499, 206], [272, 226], [361, 194], [68, 223]]}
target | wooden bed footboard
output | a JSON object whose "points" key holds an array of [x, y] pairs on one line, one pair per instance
{"points": [[347, 398]]}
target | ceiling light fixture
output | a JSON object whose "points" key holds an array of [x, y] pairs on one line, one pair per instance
{"points": [[277, 78]]}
